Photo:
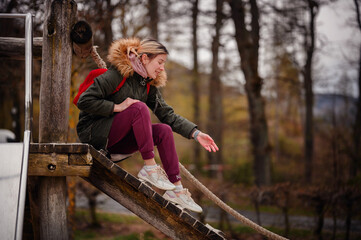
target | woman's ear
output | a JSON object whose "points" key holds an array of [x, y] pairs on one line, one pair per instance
{"points": [[145, 58]]}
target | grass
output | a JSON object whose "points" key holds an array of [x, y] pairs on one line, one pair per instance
{"points": [[125, 227], [114, 227], [89, 234], [108, 217], [243, 231], [296, 234]]}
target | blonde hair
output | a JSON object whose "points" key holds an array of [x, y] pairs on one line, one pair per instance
{"points": [[148, 46]]}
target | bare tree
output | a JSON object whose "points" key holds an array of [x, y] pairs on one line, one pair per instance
{"points": [[300, 20], [153, 18], [215, 119], [309, 45], [196, 79], [247, 38], [100, 14], [354, 167]]}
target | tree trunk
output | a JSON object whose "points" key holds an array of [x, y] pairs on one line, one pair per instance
{"points": [[357, 125], [107, 23], [357, 129], [307, 73], [92, 201], [196, 82], [123, 25], [334, 220], [54, 111], [248, 46], [349, 207], [215, 119], [287, 221], [320, 210], [153, 17]]}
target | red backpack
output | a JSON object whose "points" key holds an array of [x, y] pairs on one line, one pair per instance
{"points": [[89, 80]]}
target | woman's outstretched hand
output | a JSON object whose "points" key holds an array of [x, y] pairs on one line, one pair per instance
{"points": [[124, 105], [207, 142]]}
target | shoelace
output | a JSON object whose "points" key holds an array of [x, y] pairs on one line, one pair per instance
{"points": [[161, 173], [186, 192], [188, 195]]}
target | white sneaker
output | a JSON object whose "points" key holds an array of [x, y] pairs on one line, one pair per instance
{"points": [[183, 198], [156, 177]]}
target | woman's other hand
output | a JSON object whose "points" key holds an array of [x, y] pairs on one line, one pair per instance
{"points": [[207, 142], [124, 105]]}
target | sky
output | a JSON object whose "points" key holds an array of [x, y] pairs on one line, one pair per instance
{"points": [[337, 25], [338, 43]]}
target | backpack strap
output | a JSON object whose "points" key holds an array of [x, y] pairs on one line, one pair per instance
{"points": [[122, 83], [89, 80]]}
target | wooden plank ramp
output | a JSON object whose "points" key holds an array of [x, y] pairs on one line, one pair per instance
{"points": [[120, 185]]}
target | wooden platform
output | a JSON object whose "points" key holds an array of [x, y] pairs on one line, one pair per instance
{"points": [[93, 166]]}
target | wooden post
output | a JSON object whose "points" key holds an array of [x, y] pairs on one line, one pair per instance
{"points": [[54, 111]]}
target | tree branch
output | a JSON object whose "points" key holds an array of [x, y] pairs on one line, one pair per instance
{"points": [[358, 18]]}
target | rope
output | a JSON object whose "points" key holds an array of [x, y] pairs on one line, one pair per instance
{"points": [[97, 59], [227, 208]]}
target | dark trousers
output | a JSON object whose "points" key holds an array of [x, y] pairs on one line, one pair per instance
{"points": [[133, 131]]}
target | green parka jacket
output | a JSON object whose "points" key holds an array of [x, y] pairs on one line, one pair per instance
{"points": [[97, 102]]}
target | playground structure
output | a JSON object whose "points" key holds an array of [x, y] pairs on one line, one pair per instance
{"points": [[14, 156], [47, 163]]}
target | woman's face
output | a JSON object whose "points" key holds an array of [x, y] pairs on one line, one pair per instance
{"points": [[155, 66]]}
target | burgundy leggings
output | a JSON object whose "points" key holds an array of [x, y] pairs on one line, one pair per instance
{"points": [[132, 130]]}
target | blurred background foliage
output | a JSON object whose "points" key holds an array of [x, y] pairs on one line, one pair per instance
{"points": [[206, 48]]}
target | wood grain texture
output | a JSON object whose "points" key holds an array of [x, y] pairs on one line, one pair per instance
{"points": [[14, 48], [59, 18], [57, 165]]}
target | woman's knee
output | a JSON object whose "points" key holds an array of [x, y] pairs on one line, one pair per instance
{"points": [[141, 107], [163, 130]]}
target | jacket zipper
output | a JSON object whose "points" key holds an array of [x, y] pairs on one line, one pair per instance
{"points": [[157, 101]]}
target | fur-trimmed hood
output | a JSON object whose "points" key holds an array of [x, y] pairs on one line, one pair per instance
{"points": [[118, 57]]}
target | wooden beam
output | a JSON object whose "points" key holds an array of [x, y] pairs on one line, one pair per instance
{"points": [[59, 148], [80, 159], [14, 48], [56, 165], [59, 159]]}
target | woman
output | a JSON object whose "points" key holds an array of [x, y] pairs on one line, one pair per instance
{"points": [[120, 122]]}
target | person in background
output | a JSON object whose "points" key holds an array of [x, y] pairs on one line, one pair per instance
{"points": [[119, 121]]}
